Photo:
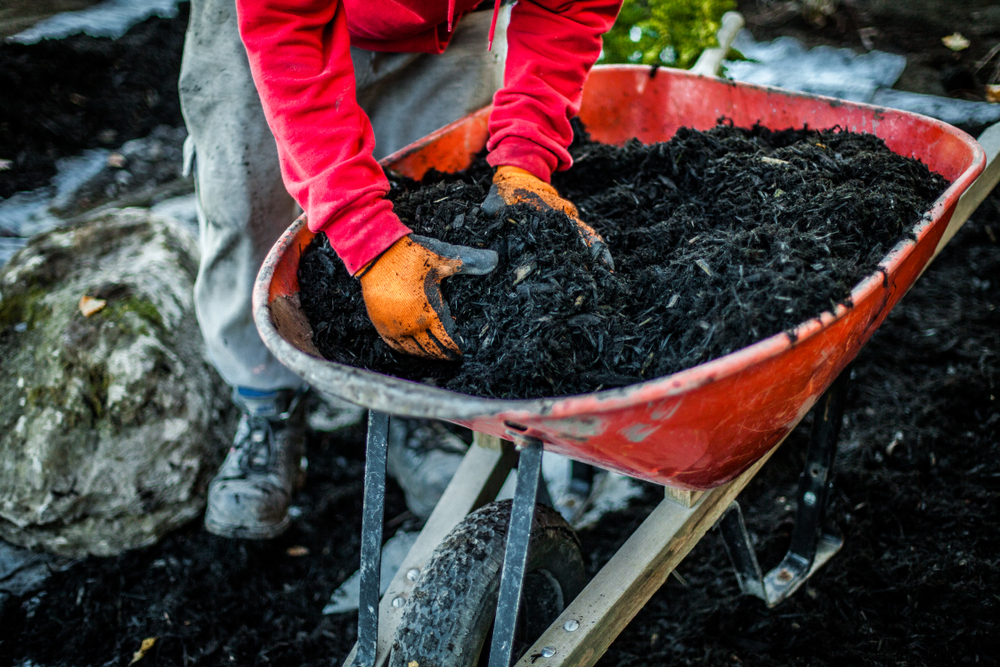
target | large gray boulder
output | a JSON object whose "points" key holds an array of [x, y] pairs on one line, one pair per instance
{"points": [[110, 425]]}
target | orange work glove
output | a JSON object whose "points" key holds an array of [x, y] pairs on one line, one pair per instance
{"points": [[513, 185], [402, 292]]}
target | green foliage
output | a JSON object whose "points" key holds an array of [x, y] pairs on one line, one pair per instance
{"points": [[664, 32]]}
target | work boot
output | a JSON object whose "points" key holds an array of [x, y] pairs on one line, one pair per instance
{"points": [[326, 413], [250, 496], [422, 457]]}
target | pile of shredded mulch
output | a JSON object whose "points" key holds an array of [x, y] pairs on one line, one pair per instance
{"points": [[720, 239]]}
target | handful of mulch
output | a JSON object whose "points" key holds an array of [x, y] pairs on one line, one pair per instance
{"points": [[720, 239]]}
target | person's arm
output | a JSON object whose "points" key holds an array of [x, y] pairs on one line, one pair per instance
{"points": [[301, 64], [551, 46], [300, 59]]}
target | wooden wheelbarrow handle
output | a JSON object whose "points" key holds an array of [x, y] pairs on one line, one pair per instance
{"points": [[710, 60], [980, 188]]}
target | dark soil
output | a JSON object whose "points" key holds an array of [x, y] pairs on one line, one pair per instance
{"points": [[720, 239], [913, 28], [58, 97]]}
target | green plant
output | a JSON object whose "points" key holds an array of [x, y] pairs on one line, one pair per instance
{"points": [[664, 32]]}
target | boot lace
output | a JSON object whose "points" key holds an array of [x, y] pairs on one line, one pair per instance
{"points": [[256, 448]]}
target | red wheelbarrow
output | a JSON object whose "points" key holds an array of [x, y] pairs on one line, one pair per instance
{"points": [[702, 432]]}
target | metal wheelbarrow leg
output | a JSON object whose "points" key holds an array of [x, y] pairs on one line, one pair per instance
{"points": [[477, 481], [588, 625], [812, 543]]}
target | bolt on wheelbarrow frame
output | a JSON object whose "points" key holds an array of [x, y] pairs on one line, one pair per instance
{"points": [[707, 428]]}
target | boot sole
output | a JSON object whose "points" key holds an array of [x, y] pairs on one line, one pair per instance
{"points": [[246, 532]]}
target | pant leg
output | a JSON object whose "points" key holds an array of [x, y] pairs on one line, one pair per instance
{"points": [[242, 204], [408, 96]]}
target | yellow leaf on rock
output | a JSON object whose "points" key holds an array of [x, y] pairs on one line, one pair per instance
{"points": [[89, 305], [993, 94], [147, 644]]}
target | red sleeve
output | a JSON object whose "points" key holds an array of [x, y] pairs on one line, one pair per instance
{"points": [[551, 46], [301, 64]]}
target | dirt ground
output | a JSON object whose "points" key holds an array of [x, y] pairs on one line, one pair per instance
{"points": [[18, 15], [916, 488], [913, 28]]}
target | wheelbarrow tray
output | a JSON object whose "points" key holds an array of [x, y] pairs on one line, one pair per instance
{"points": [[700, 427]]}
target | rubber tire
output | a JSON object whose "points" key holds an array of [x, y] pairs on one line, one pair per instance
{"points": [[449, 615]]}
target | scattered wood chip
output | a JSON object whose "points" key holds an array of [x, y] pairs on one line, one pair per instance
{"points": [[89, 305], [867, 36], [297, 551], [993, 93], [896, 440], [703, 266], [523, 271], [117, 160], [6, 164], [956, 42], [774, 160], [147, 644]]}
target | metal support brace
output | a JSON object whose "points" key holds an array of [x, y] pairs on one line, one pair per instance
{"points": [[372, 518], [812, 544], [529, 469]]}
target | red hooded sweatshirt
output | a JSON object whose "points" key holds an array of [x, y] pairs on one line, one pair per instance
{"points": [[301, 63]]}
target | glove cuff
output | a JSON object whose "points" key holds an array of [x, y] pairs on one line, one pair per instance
{"points": [[524, 154]]}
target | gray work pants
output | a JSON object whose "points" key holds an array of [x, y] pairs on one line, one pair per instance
{"points": [[242, 205]]}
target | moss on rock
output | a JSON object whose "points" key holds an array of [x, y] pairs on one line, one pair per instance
{"points": [[110, 425]]}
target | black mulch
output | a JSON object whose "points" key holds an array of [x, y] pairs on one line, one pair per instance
{"points": [[720, 239]]}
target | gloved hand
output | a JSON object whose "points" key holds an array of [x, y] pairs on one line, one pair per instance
{"points": [[513, 185], [402, 292]]}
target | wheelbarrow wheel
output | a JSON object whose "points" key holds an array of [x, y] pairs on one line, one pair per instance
{"points": [[448, 619]]}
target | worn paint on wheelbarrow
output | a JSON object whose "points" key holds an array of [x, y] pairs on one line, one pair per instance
{"points": [[700, 427]]}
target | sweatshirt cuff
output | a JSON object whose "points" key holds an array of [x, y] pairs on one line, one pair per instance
{"points": [[524, 154], [360, 237]]}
